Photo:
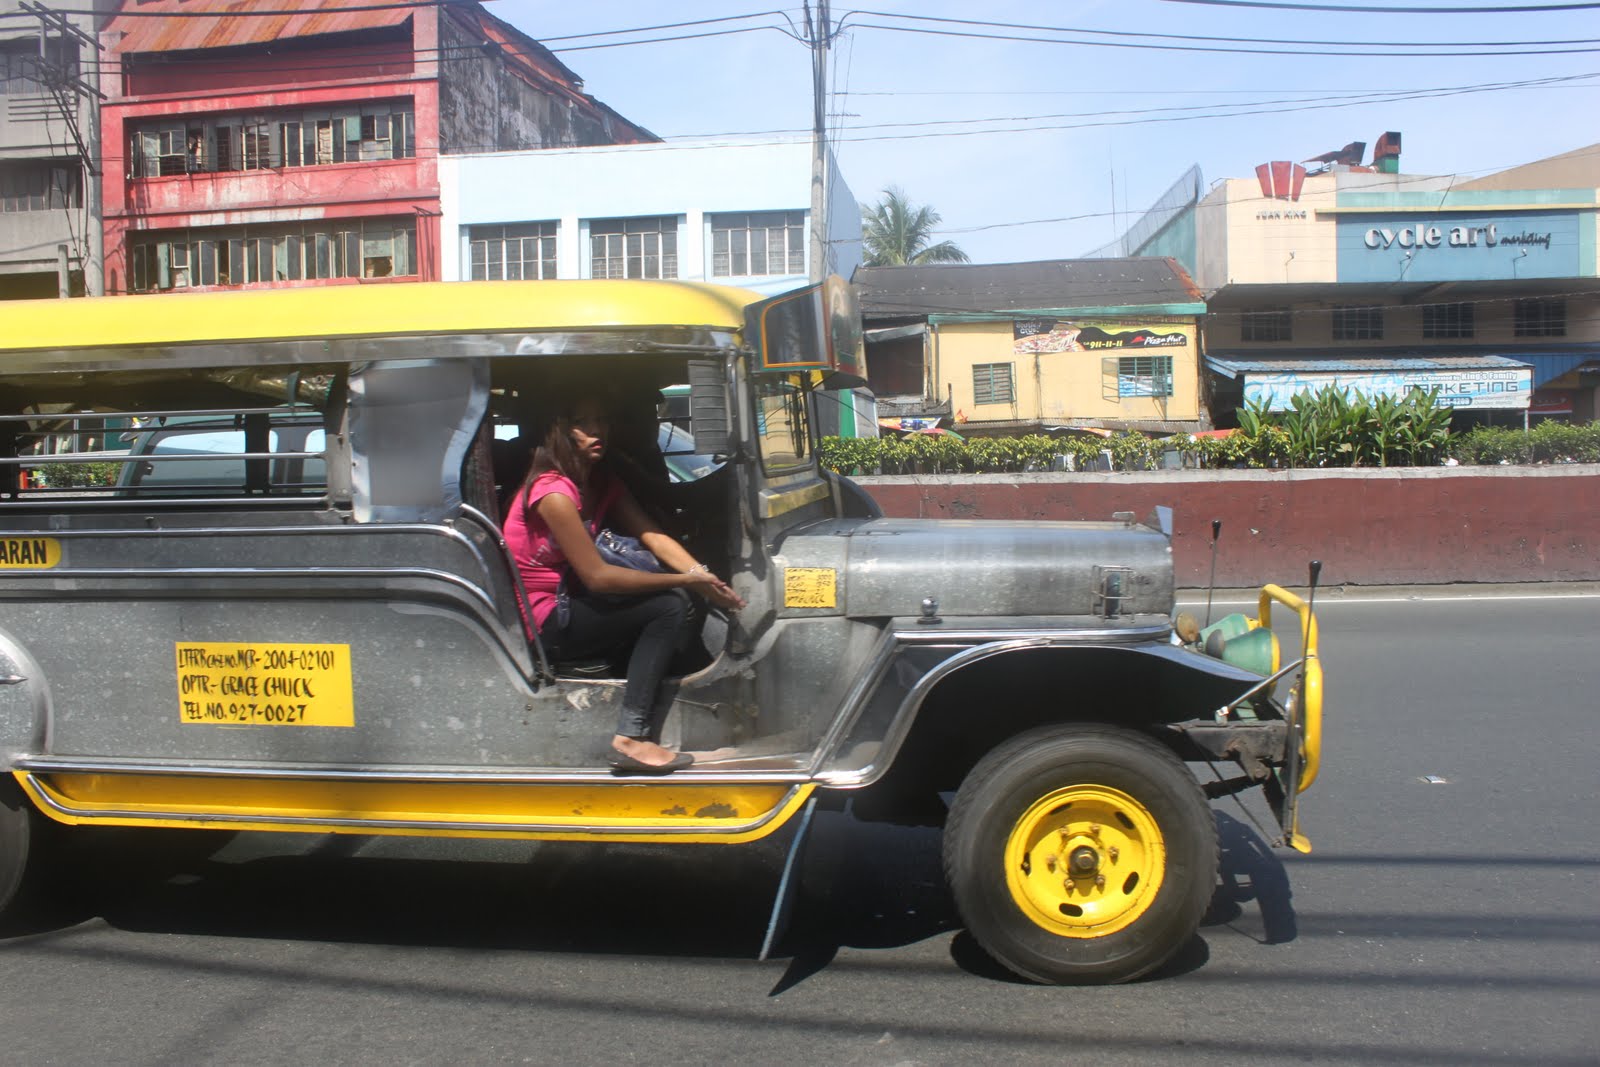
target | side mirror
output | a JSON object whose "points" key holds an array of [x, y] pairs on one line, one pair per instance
{"points": [[708, 407]]}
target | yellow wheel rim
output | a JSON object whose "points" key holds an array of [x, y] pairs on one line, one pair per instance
{"points": [[1085, 861]]}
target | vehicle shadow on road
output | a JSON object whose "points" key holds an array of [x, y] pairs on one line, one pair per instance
{"points": [[1251, 871], [858, 885]]}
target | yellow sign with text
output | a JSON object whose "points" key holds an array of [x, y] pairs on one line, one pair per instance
{"points": [[810, 587], [232, 684], [29, 553]]}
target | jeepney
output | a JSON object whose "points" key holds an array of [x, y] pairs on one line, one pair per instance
{"points": [[327, 635]]}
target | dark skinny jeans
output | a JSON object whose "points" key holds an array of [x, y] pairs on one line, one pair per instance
{"points": [[656, 623]]}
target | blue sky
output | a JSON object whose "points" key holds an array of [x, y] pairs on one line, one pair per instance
{"points": [[993, 188]]}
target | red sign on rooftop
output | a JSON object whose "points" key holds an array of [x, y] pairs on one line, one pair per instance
{"points": [[1281, 180]]}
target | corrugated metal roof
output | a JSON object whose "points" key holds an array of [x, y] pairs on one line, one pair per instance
{"points": [[1234, 366], [1006, 287], [144, 30]]}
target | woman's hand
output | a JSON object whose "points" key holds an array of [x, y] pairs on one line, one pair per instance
{"points": [[715, 590]]}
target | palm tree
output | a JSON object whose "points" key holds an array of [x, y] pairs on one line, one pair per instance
{"points": [[896, 233]]}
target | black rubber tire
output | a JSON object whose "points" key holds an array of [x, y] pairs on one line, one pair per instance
{"points": [[22, 831], [1010, 779]]}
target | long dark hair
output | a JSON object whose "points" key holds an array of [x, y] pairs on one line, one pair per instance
{"points": [[553, 449]]}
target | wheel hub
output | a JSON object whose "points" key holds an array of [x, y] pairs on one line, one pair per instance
{"points": [[1085, 861]]}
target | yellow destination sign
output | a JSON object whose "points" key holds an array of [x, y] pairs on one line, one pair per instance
{"points": [[29, 553], [230, 684], [809, 587]]}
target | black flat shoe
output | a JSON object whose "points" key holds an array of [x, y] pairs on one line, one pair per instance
{"points": [[621, 764]]}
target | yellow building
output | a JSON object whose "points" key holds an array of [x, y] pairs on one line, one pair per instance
{"points": [[1023, 347]]}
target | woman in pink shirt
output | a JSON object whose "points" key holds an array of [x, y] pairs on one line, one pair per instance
{"points": [[567, 497]]}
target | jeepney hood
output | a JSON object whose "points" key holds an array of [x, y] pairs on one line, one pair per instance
{"points": [[981, 567]]}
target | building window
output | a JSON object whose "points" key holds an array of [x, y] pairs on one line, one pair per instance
{"points": [[1136, 376], [633, 248], [1446, 321], [35, 187], [1540, 316], [1357, 324], [526, 250], [1266, 326], [262, 255], [22, 71], [991, 384], [283, 139], [760, 242]]}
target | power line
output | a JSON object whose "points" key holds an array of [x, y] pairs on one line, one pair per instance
{"points": [[1386, 10], [1387, 54], [1367, 97], [1232, 40]]}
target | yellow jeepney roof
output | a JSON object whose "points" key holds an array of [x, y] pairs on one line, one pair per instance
{"points": [[371, 310]]}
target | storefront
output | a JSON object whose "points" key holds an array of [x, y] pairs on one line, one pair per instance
{"points": [[1466, 383]]}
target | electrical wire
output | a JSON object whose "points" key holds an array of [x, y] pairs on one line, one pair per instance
{"points": [[1386, 54], [1499, 9], [1368, 97], [1233, 40]]}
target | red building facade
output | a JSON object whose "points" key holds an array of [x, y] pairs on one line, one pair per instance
{"points": [[255, 148]]}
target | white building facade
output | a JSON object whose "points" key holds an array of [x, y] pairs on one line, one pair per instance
{"points": [[725, 211]]}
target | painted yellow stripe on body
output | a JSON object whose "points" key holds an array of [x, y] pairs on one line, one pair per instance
{"points": [[629, 810], [775, 502]]}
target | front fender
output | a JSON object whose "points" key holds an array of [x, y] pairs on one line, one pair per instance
{"points": [[946, 704]]}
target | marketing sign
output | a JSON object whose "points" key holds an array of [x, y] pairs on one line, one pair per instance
{"points": [[1458, 247], [1030, 336], [1499, 388]]}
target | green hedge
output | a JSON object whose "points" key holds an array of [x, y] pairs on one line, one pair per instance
{"points": [[76, 475], [1329, 428]]}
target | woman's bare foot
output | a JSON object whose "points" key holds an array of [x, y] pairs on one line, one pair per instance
{"points": [[643, 751]]}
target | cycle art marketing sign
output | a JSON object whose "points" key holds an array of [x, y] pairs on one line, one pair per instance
{"points": [[1498, 388], [1453, 246]]}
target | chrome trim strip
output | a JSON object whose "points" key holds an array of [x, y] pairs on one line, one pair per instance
{"points": [[393, 773], [104, 498], [933, 635], [95, 815], [263, 573]]}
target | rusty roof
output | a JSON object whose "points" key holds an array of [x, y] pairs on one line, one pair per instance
{"points": [[192, 24]]}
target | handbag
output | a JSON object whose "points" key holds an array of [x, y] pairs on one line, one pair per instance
{"points": [[619, 550]]}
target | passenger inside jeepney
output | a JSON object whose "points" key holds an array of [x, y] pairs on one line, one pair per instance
{"points": [[589, 594]]}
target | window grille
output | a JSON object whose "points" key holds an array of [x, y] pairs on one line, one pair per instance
{"points": [[1266, 326], [758, 243], [1134, 376], [1441, 321], [1357, 324], [633, 248], [1541, 316], [992, 384], [522, 251]]}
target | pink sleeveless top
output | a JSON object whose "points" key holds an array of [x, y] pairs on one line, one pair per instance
{"points": [[539, 559]]}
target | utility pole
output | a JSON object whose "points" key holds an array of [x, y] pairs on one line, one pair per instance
{"points": [[819, 33]]}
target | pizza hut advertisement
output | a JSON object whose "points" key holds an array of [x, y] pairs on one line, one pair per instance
{"points": [[1032, 336]]}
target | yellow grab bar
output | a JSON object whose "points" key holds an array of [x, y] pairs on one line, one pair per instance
{"points": [[1311, 688]]}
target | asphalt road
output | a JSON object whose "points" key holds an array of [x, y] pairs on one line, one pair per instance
{"points": [[1448, 923]]}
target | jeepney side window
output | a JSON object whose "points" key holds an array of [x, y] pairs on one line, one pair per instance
{"points": [[780, 421]]}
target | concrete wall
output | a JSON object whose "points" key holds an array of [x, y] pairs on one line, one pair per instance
{"points": [[1373, 527]]}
